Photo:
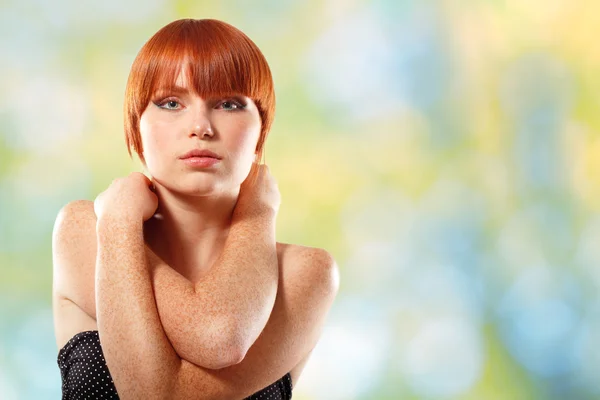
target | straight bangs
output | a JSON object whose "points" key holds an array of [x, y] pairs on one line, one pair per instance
{"points": [[219, 61]]}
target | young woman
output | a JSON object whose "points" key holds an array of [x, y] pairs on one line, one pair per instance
{"points": [[174, 287]]}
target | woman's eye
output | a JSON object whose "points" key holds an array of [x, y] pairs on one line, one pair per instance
{"points": [[169, 105], [231, 106]]}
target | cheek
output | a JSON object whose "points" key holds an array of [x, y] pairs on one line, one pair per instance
{"points": [[243, 146], [246, 137], [154, 142], [247, 149]]}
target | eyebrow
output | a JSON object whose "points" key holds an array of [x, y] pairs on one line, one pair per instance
{"points": [[179, 90], [172, 89]]}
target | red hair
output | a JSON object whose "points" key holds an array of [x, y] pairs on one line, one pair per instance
{"points": [[219, 59]]}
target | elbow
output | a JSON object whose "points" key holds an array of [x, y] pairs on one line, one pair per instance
{"points": [[231, 351], [224, 360], [212, 350], [217, 350], [228, 361], [229, 346]]}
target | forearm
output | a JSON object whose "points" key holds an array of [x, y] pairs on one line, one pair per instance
{"points": [[246, 277], [213, 323], [141, 361]]}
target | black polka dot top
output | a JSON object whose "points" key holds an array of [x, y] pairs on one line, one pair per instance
{"points": [[85, 374]]}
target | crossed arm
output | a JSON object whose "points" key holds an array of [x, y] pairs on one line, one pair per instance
{"points": [[210, 331], [214, 322], [142, 361]]}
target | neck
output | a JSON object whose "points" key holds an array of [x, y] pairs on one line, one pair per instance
{"points": [[189, 232]]}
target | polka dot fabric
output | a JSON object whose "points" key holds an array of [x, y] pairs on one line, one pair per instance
{"points": [[85, 375], [280, 390], [83, 369]]}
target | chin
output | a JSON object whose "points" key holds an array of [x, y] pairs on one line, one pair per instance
{"points": [[198, 184], [205, 186]]}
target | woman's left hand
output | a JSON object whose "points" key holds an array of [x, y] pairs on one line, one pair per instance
{"points": [[261, 197]]}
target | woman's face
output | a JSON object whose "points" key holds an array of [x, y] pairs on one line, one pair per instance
{"points": [[175, 122]]}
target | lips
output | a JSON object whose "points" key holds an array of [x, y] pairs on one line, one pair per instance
{"points": [[200, 153]]}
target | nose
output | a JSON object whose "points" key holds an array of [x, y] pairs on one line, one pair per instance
{"points": [[202, 130]]}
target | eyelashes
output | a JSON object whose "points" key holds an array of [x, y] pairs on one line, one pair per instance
{"points": [[173, 104], [238, 105], [164, 104]]}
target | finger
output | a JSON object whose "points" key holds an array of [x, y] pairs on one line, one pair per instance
{"points": [[146, 179], [255, 170], [263, 169]]}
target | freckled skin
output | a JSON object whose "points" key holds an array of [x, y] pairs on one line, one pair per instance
{"points": [[308, 282], [253, 317]]}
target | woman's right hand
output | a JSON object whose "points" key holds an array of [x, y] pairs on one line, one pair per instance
{"points": [[260, 198], [127, 198]]}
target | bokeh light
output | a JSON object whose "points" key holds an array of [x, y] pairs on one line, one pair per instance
{"points": [[444, 152]]}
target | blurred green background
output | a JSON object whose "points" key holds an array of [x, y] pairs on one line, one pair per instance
{"points": [[445, 152]]}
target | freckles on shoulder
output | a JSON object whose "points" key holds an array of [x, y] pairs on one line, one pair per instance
{"points": [[311, 263]]}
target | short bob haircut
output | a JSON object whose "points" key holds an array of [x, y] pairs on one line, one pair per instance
{"points": [[220, 61]]}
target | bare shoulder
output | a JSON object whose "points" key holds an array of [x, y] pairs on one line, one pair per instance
{"points": [[74, 219], [73, 238], [313, 262], [299, 265], [73, 253], [72, 216]]}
